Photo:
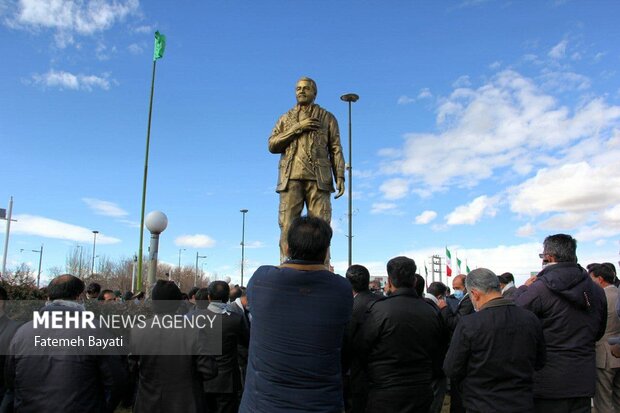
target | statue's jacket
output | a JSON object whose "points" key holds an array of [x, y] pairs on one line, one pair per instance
{"points": [[325, 149]]}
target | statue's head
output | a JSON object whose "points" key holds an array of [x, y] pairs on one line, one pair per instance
{"points": [[305, 91]]}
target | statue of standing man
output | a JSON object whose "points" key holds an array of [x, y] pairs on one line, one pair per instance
{"points": [[308, 140]]}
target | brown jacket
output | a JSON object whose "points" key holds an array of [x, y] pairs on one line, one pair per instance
{"points": [[325, 148], [604, 359]]}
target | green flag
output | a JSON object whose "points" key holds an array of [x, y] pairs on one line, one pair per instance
{"points": [[160, 46]]}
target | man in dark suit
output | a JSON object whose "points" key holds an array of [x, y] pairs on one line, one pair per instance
{"points": [[403, 342], [240, 306], [8, 328], [356, 382], [222, 393], [171, 369], [495, 351], [62, 379]]}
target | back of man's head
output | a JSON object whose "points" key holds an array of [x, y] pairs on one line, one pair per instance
{"points": [[437, 289], [483, 280], [562, 247], [308, 239], [603, 271], [507, 278], [65, 287], [192, 293], [202, 298], [166, 297], [106, 295], [93, 290], [219, 291], [420, 284], [359, 277], [401, 272]]}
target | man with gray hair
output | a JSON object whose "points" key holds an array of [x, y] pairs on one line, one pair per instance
{"points": [[573, 311], [495, 351]]}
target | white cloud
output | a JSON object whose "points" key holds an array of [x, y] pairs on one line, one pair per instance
{"points": [[105, 208], [129, 223], [559, 50], [462, 82], [253, 244], [575, 188], [565, 221], [405, 100], [144, 29], [425, 93], [375, 268], [526, 230], [509, 122], [69, 17], [495, 65], [425, 217], [394, 189], [520, 259], [103, 52], [135, 48], [51, 228], [194, 241], [66, 80], [471, 213], [564, 81], [383, 207]]}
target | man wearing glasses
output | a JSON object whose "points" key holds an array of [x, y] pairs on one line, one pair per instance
{"points": [[573, 312]]}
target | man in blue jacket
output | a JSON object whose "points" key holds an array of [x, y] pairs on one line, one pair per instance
{"points": [[573, 312], [299, 313]]}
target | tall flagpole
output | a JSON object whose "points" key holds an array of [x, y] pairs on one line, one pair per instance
{"points": [[160, 44]]}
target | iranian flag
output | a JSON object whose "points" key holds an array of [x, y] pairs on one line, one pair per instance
{"points": [[448, 263]]}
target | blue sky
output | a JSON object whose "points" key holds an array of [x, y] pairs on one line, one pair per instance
{"points": [[482, 126]]}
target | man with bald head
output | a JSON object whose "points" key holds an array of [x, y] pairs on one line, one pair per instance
{"points": [[308, 139]]}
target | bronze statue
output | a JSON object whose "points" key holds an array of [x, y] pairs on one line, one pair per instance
{"points": [[308, 140]]}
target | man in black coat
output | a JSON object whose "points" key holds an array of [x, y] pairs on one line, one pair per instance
{"points": [[402, 343], [62, 379], [495, 351], [356, 384], [8, 328], [169, 362], [573, 312], [222, 393]]}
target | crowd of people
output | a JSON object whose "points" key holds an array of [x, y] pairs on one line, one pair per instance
{"points": [[302, 339]]}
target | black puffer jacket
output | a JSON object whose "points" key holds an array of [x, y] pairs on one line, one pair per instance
{"points": [[573, 312]]}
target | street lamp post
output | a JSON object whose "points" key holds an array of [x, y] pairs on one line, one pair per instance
{"points": [[156, 222], [196, 277], [243, 212], [92, 268], [180, 250], [40, 261], [40, 252], [350, 98], [80, 262]]}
